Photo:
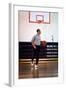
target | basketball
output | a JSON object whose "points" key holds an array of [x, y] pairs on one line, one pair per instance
{"points": [[43, 43]]}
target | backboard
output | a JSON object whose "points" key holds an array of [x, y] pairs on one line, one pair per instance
{"points": [[39, 17]]}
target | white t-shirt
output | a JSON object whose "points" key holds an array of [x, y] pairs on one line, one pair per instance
{"points": [[36, 39]]}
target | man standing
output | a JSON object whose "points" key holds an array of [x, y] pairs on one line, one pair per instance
{"points": [[36, 41]]}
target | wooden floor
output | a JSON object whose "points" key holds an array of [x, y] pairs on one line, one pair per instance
{"points": [[46, 68]]}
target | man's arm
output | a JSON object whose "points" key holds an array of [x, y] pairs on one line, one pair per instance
{"points": [[33, 44]]}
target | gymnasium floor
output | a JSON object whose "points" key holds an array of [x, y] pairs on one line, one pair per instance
{"points": [[46, 68]]}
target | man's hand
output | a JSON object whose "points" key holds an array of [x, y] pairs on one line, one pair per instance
{"points": [[34, 47]]}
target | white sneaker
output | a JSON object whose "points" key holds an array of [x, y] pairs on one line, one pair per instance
{"points": [[36, 67], [32, 64]]}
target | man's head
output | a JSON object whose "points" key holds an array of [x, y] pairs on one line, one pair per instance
{"points": [[38, 31]]}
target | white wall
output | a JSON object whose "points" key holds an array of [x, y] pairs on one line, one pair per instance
{"points": [[27, 30]]}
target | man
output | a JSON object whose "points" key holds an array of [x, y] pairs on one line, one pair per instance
{"points": [[36, 41]]}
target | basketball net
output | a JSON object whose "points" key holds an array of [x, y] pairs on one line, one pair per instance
{"points": [[39, 21]]}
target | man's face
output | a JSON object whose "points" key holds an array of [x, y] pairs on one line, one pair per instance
{"points": [[39, 32]]}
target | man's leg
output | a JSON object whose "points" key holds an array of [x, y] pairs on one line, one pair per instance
{"points": [[34, 53], [37, 55]]}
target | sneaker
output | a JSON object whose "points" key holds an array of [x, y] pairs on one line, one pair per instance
{"points": [[36, 66], [32, 64]]}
